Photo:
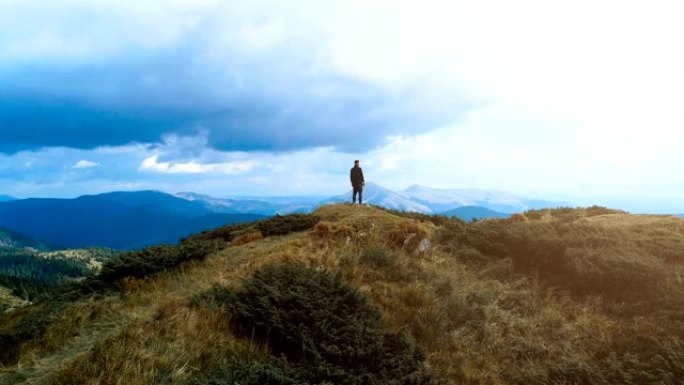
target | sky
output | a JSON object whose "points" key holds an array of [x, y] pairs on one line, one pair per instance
{"points": [[579, 101]]}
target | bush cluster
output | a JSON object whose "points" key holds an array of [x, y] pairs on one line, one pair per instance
{"points": [[273, 372], [325, 328], [276, 225], [154, 259], [224, 233], [286, 224], [138, 264]]}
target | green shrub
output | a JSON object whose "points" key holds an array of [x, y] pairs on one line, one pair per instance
{"points": [[276, 225], [286, 224], [323, 326], [273, 372], [226, 233], [153, 259]]}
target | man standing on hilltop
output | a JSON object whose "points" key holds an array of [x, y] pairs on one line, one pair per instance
{"points": [[356, 176]]}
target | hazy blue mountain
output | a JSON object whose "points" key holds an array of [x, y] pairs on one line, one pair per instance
{"points": [[254, 205], [289, 204], [5, 198], [122, 220], [375, 194], [468, 213], [159, 199]]}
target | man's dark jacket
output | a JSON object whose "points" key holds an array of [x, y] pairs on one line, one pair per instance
{"points": [[356, 176]]}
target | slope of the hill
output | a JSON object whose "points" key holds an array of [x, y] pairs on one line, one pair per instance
{"points": [[568, 296], [10, 240]]}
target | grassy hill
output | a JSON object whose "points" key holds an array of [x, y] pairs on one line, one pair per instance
{"points": [[364, 295]]}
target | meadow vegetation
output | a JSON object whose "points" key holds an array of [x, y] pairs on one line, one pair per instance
{"points": [[564, 296]]}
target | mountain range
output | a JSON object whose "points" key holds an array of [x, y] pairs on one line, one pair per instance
{"points": [[130, 220], [120, 220], [429, 200]]}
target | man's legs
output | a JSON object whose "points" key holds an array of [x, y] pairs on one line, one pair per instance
{"points": [[357, 190]]}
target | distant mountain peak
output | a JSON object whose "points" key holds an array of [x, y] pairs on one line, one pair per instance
{"points": [[375, 186], [416, 187], [374, 193], [191, 196]]}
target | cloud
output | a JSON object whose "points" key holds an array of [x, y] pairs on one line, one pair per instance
{"points": [[191, 167], [253, 77], [84, 164]]}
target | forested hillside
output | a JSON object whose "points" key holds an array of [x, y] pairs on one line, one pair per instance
{"points": [[29, 270]]}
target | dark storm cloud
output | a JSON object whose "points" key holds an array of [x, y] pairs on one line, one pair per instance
{"points": [[277, 99], [351, 115]]}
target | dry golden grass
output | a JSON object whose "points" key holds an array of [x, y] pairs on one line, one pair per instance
{"points": [[408, 235], [358, 217], [517, 217], [323, 229], [10, 301], [247, 238]]}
